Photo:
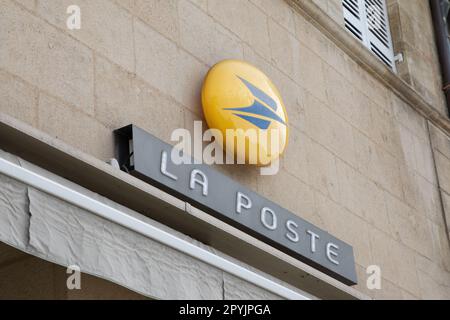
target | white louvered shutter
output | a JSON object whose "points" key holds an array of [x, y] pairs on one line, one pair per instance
{"points": [[367, 20], [354, 21]]}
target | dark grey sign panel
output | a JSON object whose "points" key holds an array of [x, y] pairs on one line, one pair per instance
{"points": [[149, 159]]}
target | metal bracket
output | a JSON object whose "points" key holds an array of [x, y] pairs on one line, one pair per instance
{"points": [[398, 58]]}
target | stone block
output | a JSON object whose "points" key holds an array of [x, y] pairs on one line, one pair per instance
{"points": [[328, 129], [279, 11], [362, 196], [123, 99], [440, 141], [300, 198], [75, 128], [311, 73], [346, 226], [18, 99], [166, 67], [46, 57], [285, 50], [377, 164], [205, 38], [443, 171], [161, 15], [245, 20], [295, 159], [322, 170], [105, 27]]}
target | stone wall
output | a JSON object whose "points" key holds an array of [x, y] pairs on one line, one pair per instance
{"points": [[413, 36], [359, 163]]}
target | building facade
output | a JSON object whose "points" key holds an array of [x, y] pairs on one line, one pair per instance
{"points": [[368, 159]]}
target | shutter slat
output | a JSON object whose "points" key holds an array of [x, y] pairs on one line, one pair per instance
{"points": [[367, 20], [352, 18], [352, 7], [378, 35]]}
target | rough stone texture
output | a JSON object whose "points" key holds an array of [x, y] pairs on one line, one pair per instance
{"points": [[446, 200], [295, 161], [360, 162], [168, 68], [232, 14], [325, 178], [443, 169], [29, 4], [412, 34], [162, 15], [46, 57], [299, 200], [441, 150], [328, 129], [285, 50], [196, 25], [18, 98], [74, 127], [441, 142], [118, 90], [281, 12], [346, 226], [362, 197], [105, 27], [333, 8]]}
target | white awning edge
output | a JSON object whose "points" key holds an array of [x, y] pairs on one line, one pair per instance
{"points": [[107, 212]]}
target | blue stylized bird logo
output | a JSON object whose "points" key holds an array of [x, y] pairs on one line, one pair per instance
{"points": [[261, 107]]}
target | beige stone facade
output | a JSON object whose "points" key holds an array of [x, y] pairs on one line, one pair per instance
{"points": [[363, 162]]}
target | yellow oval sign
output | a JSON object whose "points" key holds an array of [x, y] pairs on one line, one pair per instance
{"points": [[244, 105]]}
